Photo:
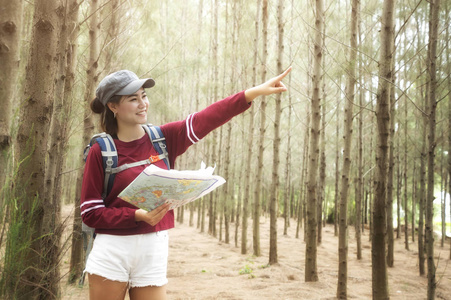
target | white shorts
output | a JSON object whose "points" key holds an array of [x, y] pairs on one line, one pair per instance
{"points": [[141, 260]]}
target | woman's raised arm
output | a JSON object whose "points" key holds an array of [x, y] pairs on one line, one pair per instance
{"points": [[272, 86]]}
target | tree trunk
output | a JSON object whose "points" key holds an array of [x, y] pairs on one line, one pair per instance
{"points": [[414, 178], [58, 132], [302, 193], [371, 179], [359, 226], [362, 157], [240, 171], [432, 104], [337, 169], [62, 107], [359, 197], [448, 55], [228, 195], [88, 128], [10, 24], [398, 187], [444, 182], [258, 186], [322, 149], [220, 196], [250, 138], [202, 202], [38, 275], [414, 191], [242, 176], [390, 187], [422, 199], [276, 145], [213, 210], [289, 187], [406, 206], [347, 139], [379, 264], [306, 153], [288, 195], [76, 259], [311, 272], [322, 166]]}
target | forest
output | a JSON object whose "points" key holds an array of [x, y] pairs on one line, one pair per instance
{"points": [[360, 142]]}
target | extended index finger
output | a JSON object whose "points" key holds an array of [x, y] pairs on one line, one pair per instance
{"points": [[285, 73]]}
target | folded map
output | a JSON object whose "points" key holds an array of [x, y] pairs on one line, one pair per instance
{"points": [[156, 186]]}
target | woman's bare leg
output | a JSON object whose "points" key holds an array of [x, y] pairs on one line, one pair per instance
{"points": [[148, 292], [101, 288]]}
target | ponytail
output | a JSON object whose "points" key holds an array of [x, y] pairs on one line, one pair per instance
{"points": [[97, 106], [108, 122]]}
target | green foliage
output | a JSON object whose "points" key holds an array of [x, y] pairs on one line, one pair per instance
{"points": [[330, 217], [19, 240], [22, 259], [247, 270]]}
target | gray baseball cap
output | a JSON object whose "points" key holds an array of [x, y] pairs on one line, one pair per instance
{"points": [[122, 82]]}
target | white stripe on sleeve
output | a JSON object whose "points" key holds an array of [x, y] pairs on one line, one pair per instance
{"points": [[92, 208], [189, 129], [90, 202], [191, 126]]}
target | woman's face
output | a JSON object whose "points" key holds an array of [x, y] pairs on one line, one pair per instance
{"points": [[132, 109]]}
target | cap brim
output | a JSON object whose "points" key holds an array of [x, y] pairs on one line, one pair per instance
{"points": [[135, 85]]}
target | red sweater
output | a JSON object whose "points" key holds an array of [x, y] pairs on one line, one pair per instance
{"points": [[116, 216]]}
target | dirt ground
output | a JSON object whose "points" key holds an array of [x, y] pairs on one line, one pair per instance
{"points": [[202, 267]]}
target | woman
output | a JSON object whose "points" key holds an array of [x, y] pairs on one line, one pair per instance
{"points": [[130, 251]]}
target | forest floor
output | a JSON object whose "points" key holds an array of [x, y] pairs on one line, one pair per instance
{"points": [[202, 267]]}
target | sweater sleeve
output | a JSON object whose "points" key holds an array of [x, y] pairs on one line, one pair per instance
{"points": [[182, 134], [94, 210]]}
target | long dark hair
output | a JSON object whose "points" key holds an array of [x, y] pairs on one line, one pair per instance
{"points": [[108, 122]]}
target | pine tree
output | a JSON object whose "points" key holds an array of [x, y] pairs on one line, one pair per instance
{"points": [[311, 272], [379, 263], [35, 222], [347, 128], [432, 105]]}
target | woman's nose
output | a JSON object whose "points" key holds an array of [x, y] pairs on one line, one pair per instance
{"points": [[142, 101]]}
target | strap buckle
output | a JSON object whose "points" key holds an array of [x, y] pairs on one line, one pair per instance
{"points": [[154, 158]]}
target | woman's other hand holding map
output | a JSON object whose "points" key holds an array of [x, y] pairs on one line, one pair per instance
{"points": [[152, 217]]}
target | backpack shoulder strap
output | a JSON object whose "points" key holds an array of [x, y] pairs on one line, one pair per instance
{"points": [[109, 157], [158, 141]]}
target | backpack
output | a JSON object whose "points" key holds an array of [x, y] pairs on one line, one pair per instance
{"points": [[110, 161]]}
